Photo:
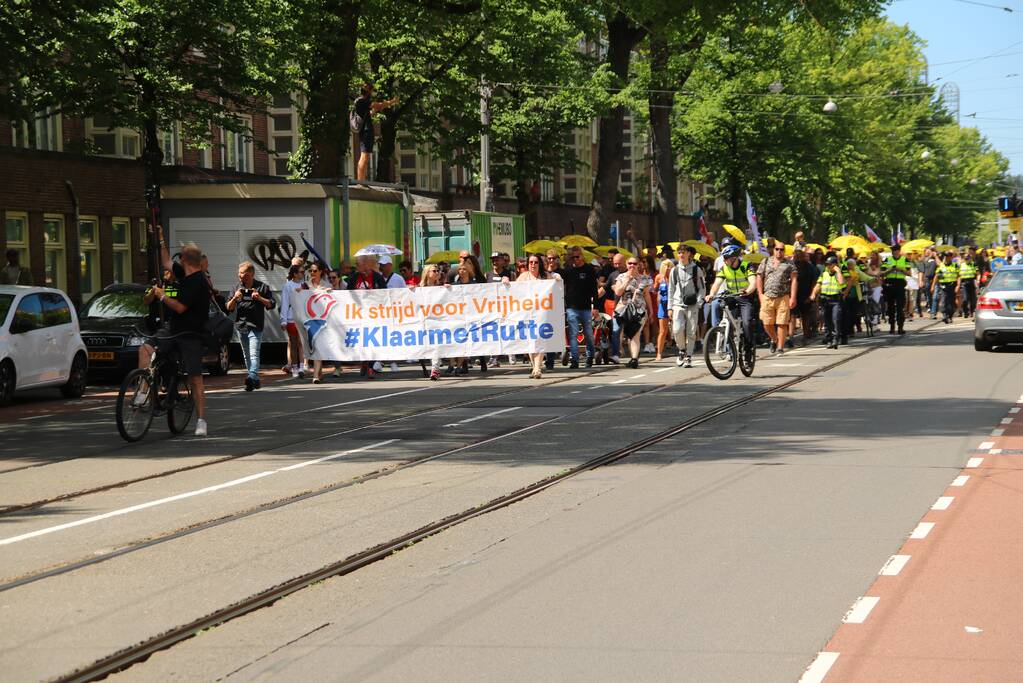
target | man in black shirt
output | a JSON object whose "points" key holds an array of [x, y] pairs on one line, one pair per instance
{"points": [[188, 312], [251, 300], [364, 108], [580, 297]]}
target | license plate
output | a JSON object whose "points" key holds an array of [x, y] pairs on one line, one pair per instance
{"points": [[101, 355]]}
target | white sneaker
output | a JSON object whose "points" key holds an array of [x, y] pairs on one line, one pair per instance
{"points": [[616, 360], [295, 374], [649, 348], [200, 427], [680, 360], [394, 367], [378, 367], [688, 363]]}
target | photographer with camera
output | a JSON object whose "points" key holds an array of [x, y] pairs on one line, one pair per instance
{"points": [[251, 300]]}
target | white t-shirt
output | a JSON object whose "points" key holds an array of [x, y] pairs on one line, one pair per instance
{"points": [[396, 282]]}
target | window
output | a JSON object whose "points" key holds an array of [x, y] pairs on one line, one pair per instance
{"points": [[238, 147], [409, 179], [122, 249], [110, 141], [55, 272], [55, 310], [282, 101], [29, 314], [43, 132], [569, 183], [408, 161], [170, 144], [283, 126], [88, 245], [17, 236], [281, 167], [570, 198]]}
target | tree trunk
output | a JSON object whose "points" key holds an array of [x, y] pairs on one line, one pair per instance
{"points": [[622, 37], [662, 102], [385, 149], [325, 123], [524, 194], [734, 181]]}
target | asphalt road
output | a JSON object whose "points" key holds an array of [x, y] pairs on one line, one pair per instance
{"points": [[728, 552]]}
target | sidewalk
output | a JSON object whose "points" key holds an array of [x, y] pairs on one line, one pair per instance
{"points": [[947, 606]]}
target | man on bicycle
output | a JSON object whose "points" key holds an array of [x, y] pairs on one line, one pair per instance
{"points": [[187, 312], [734, 276]]}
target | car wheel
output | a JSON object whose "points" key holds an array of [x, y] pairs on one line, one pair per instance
{"points": [[223, 364], [8, 382], [75, 386], [982, 344]]}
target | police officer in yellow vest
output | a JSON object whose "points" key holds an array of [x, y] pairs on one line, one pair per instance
{"points": [[829, 288], [948, 277], [968, 274], [895, 269], [735, 277]]}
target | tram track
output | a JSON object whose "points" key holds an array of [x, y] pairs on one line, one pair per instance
{"points": [[71, 495], [141, 651]]}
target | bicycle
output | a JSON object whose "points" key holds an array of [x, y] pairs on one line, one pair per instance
{"points": [[727, 345], [147, 392]]}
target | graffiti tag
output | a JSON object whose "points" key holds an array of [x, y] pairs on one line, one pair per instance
{"points": [[269, 252]]}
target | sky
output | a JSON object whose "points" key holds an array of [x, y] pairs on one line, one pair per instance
{"points": [[985, 42]]}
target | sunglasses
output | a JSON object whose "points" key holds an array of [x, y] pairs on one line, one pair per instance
{"points": [[462, 258], [782, 249], [632, 263]]}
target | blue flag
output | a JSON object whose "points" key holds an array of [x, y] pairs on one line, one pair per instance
{"points": [[312, 250]]}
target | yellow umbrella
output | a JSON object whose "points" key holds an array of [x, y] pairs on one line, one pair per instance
{"points": [[438, 256], [814, 247], [589, 256], [917, 245], [577, 241], [540, 246], [602, 251], [846, 241], [755, 257], [735, 232], [945, 247], [702, 248], [861, 250], [881, 246]]}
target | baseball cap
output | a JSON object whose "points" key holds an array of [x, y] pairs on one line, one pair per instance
{"points": [[384, 259], [495, 254]]}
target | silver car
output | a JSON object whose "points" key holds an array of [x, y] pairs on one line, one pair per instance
{"points": [[999, 316]]}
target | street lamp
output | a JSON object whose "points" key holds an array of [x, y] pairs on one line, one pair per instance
{"points": [[925, 155], [776, 87], [830, 107]]}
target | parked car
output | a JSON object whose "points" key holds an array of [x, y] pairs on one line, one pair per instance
{"points": [[109, 329], [40, 344], [999, 315]]}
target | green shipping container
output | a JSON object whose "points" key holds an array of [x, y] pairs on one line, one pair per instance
{"points": [[480, 232]]}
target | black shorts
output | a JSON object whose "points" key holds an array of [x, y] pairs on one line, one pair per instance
{"points": [[190, 347], [366, 141]]}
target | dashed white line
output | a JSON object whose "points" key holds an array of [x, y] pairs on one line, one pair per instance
{"points": [[1013, 411], [819, 668], [1006, 420], [995, 451], [642, 374], [974, 462], [921, 530], [961, 480], [36, 417], [997, 432], [942, 503], [894, 565], [620, 381], [664, 370], [985, 445], [186, 494], [860, 610], [484, 415]]}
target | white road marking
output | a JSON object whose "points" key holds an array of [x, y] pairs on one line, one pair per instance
{"points": [[664, 370], [1013, 411], [1020, 399], [986, 445], [36, 417], [961, 480], [974, 462], [894, 565], [860, 610], [480, 417], [364, 400], [921, 530], [973, 629], [620, 381], [942, 503], [642, 374], [995, 451], [578, 391], [819, 668], [1006, 420], [997, 432], [182, 496]]}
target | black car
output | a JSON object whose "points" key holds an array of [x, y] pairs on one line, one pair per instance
{"points": [[108, 325]]}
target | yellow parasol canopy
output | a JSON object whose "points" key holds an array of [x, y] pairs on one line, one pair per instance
{"points": [[813, 246], [577, 241], [589, 256], [917, 245], [846, 241], [702, 248], [945, 247], [755, 257], [735, 232], [438, 256], [602, 251], [541, 246]]}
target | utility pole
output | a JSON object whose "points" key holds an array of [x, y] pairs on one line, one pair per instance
{"points": [[486, 191]]}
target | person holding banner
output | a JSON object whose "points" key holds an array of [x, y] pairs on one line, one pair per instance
{"points": [[535, 271], [318, 284], [295, 282], [432, 277]]}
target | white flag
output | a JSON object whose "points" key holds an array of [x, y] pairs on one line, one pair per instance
{"points": [[751, 217]]}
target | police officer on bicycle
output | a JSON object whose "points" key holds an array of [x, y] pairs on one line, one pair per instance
{"points": [[829, 288], [735, 277]]}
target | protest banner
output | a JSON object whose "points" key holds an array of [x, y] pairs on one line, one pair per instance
{"points": [[493, 319]]}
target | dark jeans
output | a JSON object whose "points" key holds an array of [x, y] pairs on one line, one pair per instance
{"points": [[832, 311], [948, 300], [969, 292], [745, 314], [895, 297]]}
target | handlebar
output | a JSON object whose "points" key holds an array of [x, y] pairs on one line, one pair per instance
{"points": [[149, 335]]}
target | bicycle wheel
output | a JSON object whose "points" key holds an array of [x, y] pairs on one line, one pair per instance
{"points": [[179, 404], [719, 353], [747, 356], [135, 403]]}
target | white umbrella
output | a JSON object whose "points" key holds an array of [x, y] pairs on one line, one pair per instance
{"points": [[378, 250]]}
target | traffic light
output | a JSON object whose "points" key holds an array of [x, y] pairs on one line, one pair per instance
{"points": [[1009, 207]]}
